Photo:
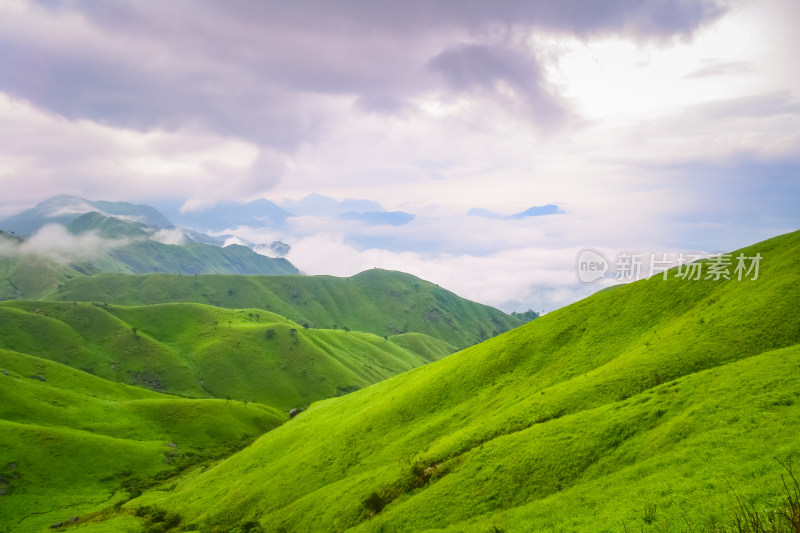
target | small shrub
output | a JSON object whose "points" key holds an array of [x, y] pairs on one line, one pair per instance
{"points": [[133, 486], [171, 519], [251, 526], [342, 390], [374, 503]]}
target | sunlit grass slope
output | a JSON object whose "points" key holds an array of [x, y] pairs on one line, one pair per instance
{"points": [[201, 351], [423, 344], [32, 276], [72, 443], [376, 301], [645, 407]]}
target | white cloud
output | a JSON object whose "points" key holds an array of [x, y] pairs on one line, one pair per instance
{"points": [[539, 278], [234, 240], [169, 236], [54, 242], [512, 264], [112, 164]]}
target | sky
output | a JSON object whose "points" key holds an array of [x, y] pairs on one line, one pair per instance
{"points": [[652, 125]]}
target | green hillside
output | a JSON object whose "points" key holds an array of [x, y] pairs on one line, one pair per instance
{"points": [[201, 351], [650, 407], [140, 254], [423, 344], [120, 246], [377, 301], [32, 276], [72, 443]]}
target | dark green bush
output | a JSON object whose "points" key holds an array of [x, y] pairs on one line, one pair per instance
{"points": [[374, 503]]}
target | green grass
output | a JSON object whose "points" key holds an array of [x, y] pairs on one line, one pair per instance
{"points": [[31, 276], [206, 352], [376, 301], [423, 344], [70, 441], [648, 407]]}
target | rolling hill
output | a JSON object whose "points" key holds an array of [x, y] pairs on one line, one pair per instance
{"points": [[650, 407], [201, 351], [376, 301], [72, 443], [32, 276]]}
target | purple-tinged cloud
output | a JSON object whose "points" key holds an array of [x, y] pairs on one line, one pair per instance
{"points": [[271, 72]]}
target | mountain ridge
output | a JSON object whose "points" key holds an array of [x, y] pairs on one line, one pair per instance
{"points": [[377, 301], [64, 209], [94, 243]]}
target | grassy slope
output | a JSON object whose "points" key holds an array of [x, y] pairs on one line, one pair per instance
{"points": [[423, 344], [201, 351], [376, 301], [31, 276], [660, 393], [195, 258], [68, 440]]}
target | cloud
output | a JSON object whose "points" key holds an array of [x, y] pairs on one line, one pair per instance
{"points": [[320, 205], [111, 164], [234, 241], [715, 68], [515, 264], [170, 236], [209, 102], [741, 185], [272, 72], [513, 280], [502, 73], [55, 243], [781, 103]]}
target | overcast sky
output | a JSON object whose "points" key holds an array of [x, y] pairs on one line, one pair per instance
{"points": [[653, 125]]}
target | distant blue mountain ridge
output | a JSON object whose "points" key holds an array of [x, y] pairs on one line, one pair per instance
{"points": [[380, 218], [536, 211]]}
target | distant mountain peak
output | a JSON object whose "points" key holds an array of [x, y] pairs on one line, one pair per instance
{"points": [[65, 209], [485, 213], [316, 204], [535, 211], [379, 218], [107, 227], [227, 215]]}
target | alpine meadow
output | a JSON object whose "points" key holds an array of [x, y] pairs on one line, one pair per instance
{"points": [[450, 266]]}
